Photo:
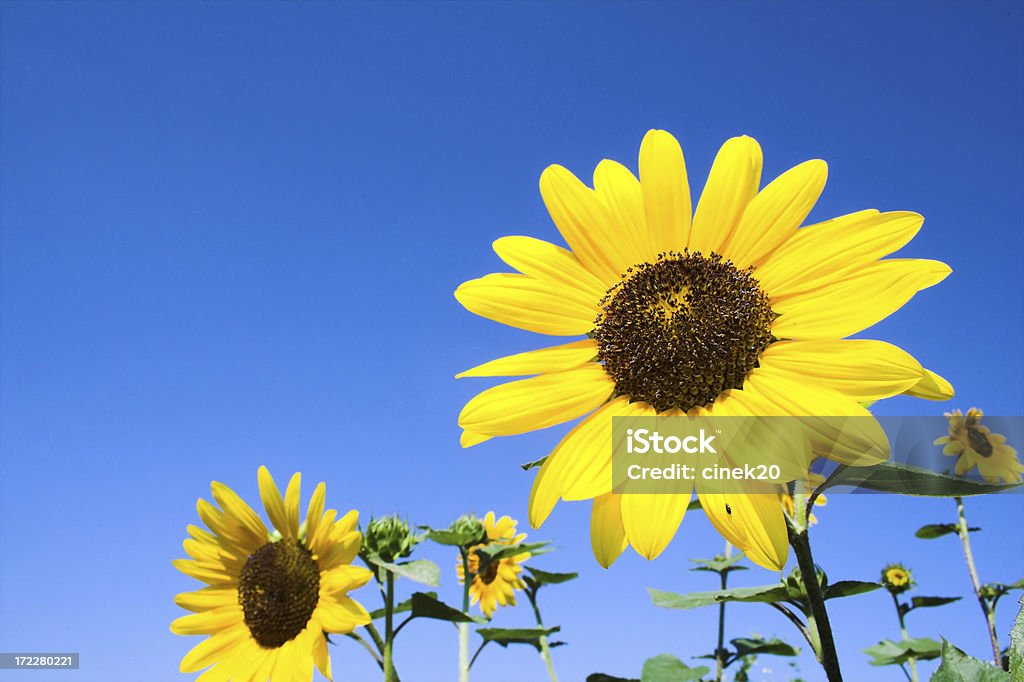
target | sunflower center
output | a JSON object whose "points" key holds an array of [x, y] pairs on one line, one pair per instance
{"points": [[979, 443], [278, 589], [678, 332], [489, 573]]}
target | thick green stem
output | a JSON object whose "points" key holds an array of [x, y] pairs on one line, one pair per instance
{"points": [[903, 631], [817, 620], [990, 621], [389, 630], [545, 649], [464, 661], [720, 648]]}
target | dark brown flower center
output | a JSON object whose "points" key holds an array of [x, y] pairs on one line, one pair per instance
{"points": [[278, 589], [979, 442], [678, 332], [489, 572]]}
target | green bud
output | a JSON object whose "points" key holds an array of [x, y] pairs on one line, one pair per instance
{"points": [[389, 538], [469, 528]]}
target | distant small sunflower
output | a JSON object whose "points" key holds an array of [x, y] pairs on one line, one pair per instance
{"points": [[978, 447], [897, 578], [271, 598], [497, 584]]}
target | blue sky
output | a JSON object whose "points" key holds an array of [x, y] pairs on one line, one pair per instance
{"points": [[231, 232]]}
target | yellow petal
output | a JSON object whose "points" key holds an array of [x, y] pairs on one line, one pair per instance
{"points": [[666, 191], [732, 184], [570, 459], [208, 622], [552, 359], [821, 253], [468, 439], [239, 510], [857, 301], [207, 598], [775, 213], [931, 387], [607, 536], [315, 512], [345, 578], [291, 507], [584, 222], [342, 614], [547, 262], [861, 369], [530, 404], [272, 500], [208, 575], [623, 196], [322, 657], [652, 519], [214, 648], [534, 305], [754, 523]]}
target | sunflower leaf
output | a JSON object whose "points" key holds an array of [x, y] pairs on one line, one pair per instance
{"points": [[937, 530], [957, 666], [506, 636], [720, 564], [888, 652], [401, 607], [534, 464], [922, 602], [668, 668], [903, 479], [496, 551], [453, 538], [849, 588], [1016, 652], [601, 677], [426, 605], [548, 578], [422, 571], [768, 594], [756, 645]]}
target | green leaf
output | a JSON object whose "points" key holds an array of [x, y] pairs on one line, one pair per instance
{"points": [[426, 605], [903, 479], [756, 645], [768, 594], [694, 504], [422, 571], [548, 578], [601, 677], [533, 465], [719, 564], [402, 607], [452, 538], [496, 551], [959, 667], [506, 636], [668, 668], [937, 530], [1016, 653], [921, 602], [848, 588], [888, 652]]}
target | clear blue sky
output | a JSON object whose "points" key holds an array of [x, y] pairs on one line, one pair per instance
{"points": [[231, 232]]}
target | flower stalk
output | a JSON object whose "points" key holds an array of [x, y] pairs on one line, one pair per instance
{"points": [[720, 648], [900, 613], [464, 662], [545, 648], [962, 530]]}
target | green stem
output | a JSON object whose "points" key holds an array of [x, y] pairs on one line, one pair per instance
{"points": [[817, 619], [903, 631], [990, 623], [389, 632], [366, 645], [720, 649], [464, 662], [545, 650]]}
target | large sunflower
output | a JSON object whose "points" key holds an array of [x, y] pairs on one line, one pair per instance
{"points": [[730, 310], [975, 445], [496, 585], [271, 598]]}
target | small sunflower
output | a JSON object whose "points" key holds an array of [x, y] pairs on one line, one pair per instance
{"points": [[786, 499], [271, 598], [498, 583], [729, 310], [979, 447], [897, 578]]}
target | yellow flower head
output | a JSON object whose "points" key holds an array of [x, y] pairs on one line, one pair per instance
{"points": [[496, 585], [270, 597], [978, 447], [731, 309], [897, 578]]}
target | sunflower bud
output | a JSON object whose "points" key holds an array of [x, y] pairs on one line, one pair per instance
{"points": [[389, 538], [469, 528], [897, 578]]}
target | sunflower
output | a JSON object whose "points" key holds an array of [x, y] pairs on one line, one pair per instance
{"points": [[729, 310], [979, 447], [897, 578], [271, 598], [498, 582]]}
